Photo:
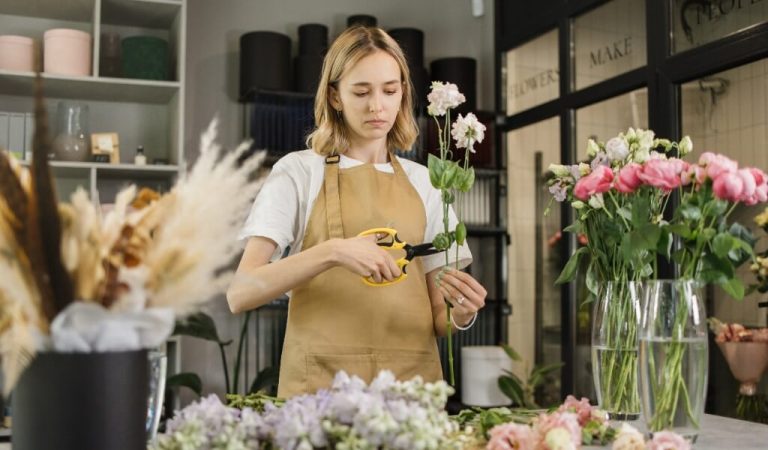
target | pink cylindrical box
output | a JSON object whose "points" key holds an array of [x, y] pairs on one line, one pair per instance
{"points": [[17, 53], [67, 52]]}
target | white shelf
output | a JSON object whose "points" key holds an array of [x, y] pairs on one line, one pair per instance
{"points": [[118, 170], [89, 88], [73, 10], [140, 13]]}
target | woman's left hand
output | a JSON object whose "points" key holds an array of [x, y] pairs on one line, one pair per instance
{"points": [[463, 292]]}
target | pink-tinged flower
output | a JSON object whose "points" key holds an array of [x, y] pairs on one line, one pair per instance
{"points": [[760, 193], [662, 173], [749, 184], [442, 97], [693, 174], [628, 439], [467, 131], [667, 440], [728, 186], [557, 431], [597, 182], [628, 180], [582, 409], [716, 164], [511, 436]]}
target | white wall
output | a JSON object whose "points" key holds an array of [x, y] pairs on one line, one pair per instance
{"points": [[212, 71]]}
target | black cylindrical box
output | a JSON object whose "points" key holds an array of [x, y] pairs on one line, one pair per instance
{"points": [[313, 39], [420, 81], [82, 401], [361, 20], [265, 62], [462, 72], [308, 68], [411, 40]]}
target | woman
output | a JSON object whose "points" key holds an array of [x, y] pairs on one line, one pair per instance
{"points": [[317, 201]]}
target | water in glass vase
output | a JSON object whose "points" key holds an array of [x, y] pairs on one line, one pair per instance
{"points": [[615, 378], [673, 382]]}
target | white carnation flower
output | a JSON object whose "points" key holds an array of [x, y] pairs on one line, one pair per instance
{"points": [[444, 96], [466, 131]]}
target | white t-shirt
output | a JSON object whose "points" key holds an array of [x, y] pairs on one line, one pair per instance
{"points": [[284, 204]]}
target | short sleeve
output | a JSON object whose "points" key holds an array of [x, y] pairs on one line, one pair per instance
{"points": [[275, 212]]}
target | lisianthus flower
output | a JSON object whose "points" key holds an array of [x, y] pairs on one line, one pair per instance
{"points": [[728, 186], [628, 439], [511, 436], [597, 182], [628, 180], [616, 149], [662, 173], [442, 97], [592, 148], [467, 131], [581, 408], [564, 427], [717, 164], [667, 440]]}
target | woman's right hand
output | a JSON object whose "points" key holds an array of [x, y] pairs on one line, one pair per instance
{"points": [[364, 257]]}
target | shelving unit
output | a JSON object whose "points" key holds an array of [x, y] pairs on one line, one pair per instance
{"points": [[142, 112]]}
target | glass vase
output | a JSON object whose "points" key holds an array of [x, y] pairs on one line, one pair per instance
{"points": [[72, 142], [614, 349], [673, 356]]}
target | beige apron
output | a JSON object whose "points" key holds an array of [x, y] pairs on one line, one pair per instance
{"points": [[337, 322]]}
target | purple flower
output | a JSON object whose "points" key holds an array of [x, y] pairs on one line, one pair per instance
{"points": [[558, 191]]}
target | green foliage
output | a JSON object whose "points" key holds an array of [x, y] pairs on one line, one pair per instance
{"points": [[521, 392]]}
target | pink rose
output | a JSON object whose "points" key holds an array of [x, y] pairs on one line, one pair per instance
{"points": [[627, 180], [760, 193], [728, 186], [581, 408], [597, 182], [555, 423], [749, 184], [717, 164], [511, 436], [662, 173], [667, 440], [693, 174]]}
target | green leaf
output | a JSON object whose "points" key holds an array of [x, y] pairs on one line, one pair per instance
{"points": [[722, 244], [461, 233], [449, 174], [680, 230], [690, 212], [715, 269], [185, 379], [625, 213], [569, 271], [265, 380], [717, 208], [706, 235], [436, 169], [539, 373], [640, 211], [199, 325], [512, 389], [664, 246], [591, 279], [734, 287], [646, 237], [575, 228], [468, 181], [513, 355]]}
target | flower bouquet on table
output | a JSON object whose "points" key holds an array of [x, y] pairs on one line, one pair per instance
{"points": [[450, 177], [78, 285], [618, 197], [746, 352]]}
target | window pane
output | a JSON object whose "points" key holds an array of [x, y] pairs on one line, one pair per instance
{"points": [[696, 23], [609, 41], [608, 118], [535, 325], [532, 73], [726, 113]]}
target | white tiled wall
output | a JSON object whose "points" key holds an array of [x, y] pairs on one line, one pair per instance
{"points": [[726, 113], [522, 145]]}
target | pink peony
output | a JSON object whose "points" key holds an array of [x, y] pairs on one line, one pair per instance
{"points": [[582, 409], [627, 180], [511, 436], [548, 431], [662, 173], [760, 193], [667, 440], [750, 184], [597, 182], [717, 164], [728, 186]]}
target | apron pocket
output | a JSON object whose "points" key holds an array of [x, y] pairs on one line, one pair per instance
{"points": [[407, 365], [322, 368]]}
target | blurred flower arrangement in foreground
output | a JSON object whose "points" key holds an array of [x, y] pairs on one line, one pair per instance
{"points": [[391, 414], [77, 280]]}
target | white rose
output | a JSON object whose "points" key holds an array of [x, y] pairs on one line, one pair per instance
{"points": [[617, 149], [592, 148], [685, 146]]}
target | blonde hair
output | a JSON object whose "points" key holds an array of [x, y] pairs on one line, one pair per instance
{"points": [[331, 133]]}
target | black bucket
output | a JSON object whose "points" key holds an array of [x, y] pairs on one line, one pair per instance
{"points": [[82, 401]]}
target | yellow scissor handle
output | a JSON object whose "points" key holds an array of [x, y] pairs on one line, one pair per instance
{"points": [[396, 244]]}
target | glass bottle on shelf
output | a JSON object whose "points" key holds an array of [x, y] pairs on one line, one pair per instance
{"points": [[72, 138]]}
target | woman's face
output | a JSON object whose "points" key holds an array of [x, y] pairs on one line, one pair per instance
{"points": [[369, 96]]}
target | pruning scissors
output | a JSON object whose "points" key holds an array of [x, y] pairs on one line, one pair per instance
{"points": [[392, 242]]}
